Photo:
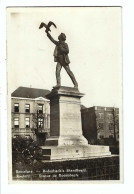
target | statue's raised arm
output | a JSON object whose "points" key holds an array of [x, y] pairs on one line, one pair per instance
{"points": [[51, 38]]}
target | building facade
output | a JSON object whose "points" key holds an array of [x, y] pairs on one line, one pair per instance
{"points": [[100, 123], [30, 112]]}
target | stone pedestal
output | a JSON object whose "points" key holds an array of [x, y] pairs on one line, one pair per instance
{"points": [[66, 139], [65, 117]]}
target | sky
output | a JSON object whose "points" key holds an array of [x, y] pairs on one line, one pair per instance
{"points": [[95, 51]]}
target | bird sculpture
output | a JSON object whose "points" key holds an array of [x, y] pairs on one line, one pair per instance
{"points": [[47, 26]]}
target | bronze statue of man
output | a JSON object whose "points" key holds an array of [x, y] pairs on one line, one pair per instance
{"points": [[61, 57]]}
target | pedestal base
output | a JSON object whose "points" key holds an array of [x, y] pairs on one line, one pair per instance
{"points": [[70, 152]]}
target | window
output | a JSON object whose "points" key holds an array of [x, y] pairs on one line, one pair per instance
{"points": [[100, 126], [16, 136], [111, 136], [110, 126], [16, 122], [27, 107], [110, 116], [40, 108], [101, 115], [16, 107], [27, 122], [40, 122], [101, 136], [27, 136]]}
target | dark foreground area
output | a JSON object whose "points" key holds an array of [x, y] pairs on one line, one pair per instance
{"points": [[27, 164], [102, 168]]}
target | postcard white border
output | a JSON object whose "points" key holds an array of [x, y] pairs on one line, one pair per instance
{"points": [[128, 43]]}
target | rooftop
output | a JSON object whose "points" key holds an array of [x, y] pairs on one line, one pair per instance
{"points": [[24, 92], [100, 108]]}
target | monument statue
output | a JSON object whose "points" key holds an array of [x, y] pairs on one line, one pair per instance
{"points": [[66, 140], [60, 55]]}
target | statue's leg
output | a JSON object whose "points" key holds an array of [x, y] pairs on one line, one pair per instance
{"points": [[58, 69], [71, 75]]}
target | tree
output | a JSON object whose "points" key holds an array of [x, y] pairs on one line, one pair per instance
{"points": [[40, 127], [38, 121], [115, 123], [25, 151]]}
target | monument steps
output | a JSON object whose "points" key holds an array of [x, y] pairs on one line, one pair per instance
{"points": [[71, 152]]}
